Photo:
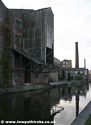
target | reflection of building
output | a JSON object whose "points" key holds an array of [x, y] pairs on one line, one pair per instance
{"points": [[66, 93], [68, 90], [26, 43], [28, 106], [66, 63]]}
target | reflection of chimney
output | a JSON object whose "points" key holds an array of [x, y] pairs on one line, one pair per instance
{"points": [[76, 55], [77, 102]]}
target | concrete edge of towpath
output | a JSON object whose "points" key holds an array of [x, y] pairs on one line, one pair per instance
{"points": [[83, 116]]}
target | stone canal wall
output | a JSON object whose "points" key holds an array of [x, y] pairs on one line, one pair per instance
{"points": [[30, 87], [22, 89], [83, 116]]}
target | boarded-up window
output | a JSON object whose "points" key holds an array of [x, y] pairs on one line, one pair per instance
{"points": [[18, 41], [18, 24]]}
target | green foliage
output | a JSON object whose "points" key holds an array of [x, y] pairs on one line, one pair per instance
{"points": [[88, 122], [69, 76], [79, 76], [63, 75]]}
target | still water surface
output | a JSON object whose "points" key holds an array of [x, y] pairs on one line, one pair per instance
{"points": [[46, 105]]}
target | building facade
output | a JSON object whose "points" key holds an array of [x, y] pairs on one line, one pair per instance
{"points": [[75, 74], [27, 41], [66, 63]]}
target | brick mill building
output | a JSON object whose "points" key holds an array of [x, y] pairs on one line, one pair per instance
{"points": [[26, 45]]}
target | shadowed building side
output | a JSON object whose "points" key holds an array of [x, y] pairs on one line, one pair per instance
{"points": [[5, 74]]}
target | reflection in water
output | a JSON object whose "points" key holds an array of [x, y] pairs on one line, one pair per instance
{"points": [[77, 102], [29, 106], [81, 90], [37, 105], [71, 100]]}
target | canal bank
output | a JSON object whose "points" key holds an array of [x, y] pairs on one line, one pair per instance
{"points": [[83, 116], [31, 87], [23, 88]]}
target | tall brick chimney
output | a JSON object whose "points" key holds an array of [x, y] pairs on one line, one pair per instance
{"points": [[76, 55], [85, 63]]}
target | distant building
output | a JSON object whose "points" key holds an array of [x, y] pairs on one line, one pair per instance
{"points": [[69, 73], [89, 75], [66, 63], [26, 44], [76, 73]]}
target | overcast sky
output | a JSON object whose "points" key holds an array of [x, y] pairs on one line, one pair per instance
{"points": [[72, 22]]}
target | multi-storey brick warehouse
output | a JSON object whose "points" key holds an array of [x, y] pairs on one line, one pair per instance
{"points": [[26, 44]]}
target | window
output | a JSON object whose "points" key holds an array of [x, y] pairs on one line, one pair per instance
{"points": [[18, 24], [63, 66], [66, 62], [63, 62], [25, 42], [25, 34], [18, 40]]}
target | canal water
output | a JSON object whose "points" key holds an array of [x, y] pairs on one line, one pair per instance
{"points": [[61, 104]]}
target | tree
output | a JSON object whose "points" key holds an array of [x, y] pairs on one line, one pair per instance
{"points": [[69, 76], [63, 75]]}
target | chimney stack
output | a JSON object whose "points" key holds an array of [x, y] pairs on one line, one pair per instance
{"points": [[76, 55], [85, 63]]}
